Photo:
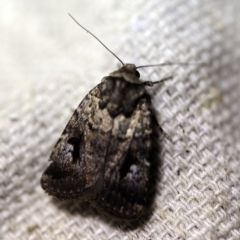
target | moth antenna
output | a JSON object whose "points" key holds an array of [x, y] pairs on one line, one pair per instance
{"points": [[170, 63], [96, 38]]}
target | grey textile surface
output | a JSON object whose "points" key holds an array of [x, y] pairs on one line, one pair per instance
{"points": [[48, 65]]}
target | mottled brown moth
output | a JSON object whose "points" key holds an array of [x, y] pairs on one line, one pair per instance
{"points": [[105, 154]]}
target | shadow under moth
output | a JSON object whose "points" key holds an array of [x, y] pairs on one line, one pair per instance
{"points": [[105, 154]]}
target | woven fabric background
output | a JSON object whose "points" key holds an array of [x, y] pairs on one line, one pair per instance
{"points": [[48, 64]]}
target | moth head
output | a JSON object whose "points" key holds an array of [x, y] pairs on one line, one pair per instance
{"points": [[129, 72]]}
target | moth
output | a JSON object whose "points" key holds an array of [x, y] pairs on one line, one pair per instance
{"points": [[105, 153]]}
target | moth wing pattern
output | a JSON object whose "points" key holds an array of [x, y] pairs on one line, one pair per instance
{"points": [[105, 153], [128, 163], [72, 173]]}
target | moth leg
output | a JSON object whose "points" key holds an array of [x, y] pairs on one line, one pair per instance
{"points": [[162, 131], [150, 83]]}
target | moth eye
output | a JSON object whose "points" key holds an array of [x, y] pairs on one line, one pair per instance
{"points": [[75, 142], [137, 74]]}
